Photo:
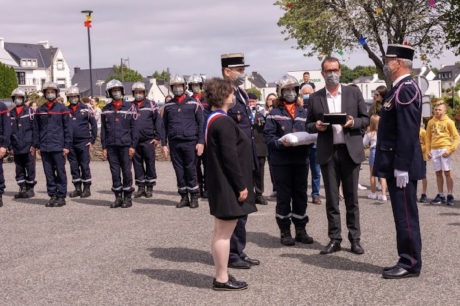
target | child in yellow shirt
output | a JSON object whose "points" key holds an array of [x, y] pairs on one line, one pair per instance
{"points": [[441, 141], [422, 136]]}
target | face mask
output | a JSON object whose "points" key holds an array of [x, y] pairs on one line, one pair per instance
{"points": [[289, 96], [386, 71], [196, 89], [18, 101], [240, 78], [116, 95], [306, 97], [73, 100], [178, 91], [138, 97], [332, 79], [50, 97], [233, 103]]}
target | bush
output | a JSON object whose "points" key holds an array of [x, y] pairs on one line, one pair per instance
{"points": [[8, 81]]}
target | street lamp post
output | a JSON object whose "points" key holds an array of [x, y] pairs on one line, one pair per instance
{"points": [[88, 13]]}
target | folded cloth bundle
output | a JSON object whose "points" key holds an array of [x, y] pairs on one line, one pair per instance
{"points": [[300, 138]]}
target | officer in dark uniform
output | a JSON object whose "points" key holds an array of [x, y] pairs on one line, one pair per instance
{"points": [[233, 69], [183, 120], [289, 163], [84, 133], [54, 142], [22, 134], [398, 158], [150, 131], [5, 134], [195, 86], [119, 140]]}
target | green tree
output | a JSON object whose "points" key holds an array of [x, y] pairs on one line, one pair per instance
{"points": [[129, 75], [254, 91], [332, 27], [348, 74], [8, 81], [452, 24], [163, 75]]}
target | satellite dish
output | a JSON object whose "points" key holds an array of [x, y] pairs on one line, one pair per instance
{"points": [[423, 84]]}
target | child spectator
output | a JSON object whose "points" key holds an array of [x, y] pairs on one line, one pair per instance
{"points": [[370, 139], [441, 141]]}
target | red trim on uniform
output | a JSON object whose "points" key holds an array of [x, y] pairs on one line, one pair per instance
{"points": [[290, 108], [50, 104], [3, 111], [19, 110], [116, 104], [181, 98], [198, 96], [408, 229], [139, 104], [74, 108]]}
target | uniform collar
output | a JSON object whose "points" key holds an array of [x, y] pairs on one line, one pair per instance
{"points": [[395, 82]]}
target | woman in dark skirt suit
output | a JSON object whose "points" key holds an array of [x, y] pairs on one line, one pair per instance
{"points": [[229, 177]]}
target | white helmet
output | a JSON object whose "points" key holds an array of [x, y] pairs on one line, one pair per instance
{"points": [[138, 86], [50, 85], [19, 92], [72, 91], [177, 79], [287, 81], [114, 84], [195, 79]]}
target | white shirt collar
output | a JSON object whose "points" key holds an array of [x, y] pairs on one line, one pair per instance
{"points": [[395, 82], [339, 92]]}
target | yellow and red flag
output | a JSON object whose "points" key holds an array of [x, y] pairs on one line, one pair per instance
{"points": [[87, 22]]}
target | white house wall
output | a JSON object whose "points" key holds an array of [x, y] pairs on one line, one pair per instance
{"points": [[65, 72]]}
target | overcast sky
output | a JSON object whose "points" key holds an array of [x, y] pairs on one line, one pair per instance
{"points": [[186, 36]]}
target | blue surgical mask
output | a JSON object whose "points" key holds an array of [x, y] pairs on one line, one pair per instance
{"points": [[306, 97]]}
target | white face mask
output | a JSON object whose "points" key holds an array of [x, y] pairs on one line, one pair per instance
{"points": [[289, 96], [178, 91], [18, 101], [196, 89], [116, 95], [332, 79], [73, 100], [138, 97], [240, 78], [50, 97]]}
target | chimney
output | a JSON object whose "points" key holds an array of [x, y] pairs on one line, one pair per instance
{"points": [[76, 69], [2, 43], [44, 43]]}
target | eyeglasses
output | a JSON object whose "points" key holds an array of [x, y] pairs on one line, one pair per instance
{"points": [[332, 71]]}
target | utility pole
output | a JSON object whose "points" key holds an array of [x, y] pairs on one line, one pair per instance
{"points": [[121, 67], [88, 25]]}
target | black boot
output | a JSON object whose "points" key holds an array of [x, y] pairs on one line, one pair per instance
{"points": [[184, 201], [286, 237], [194, 200], [302, 236], [205, 194], [76, 192], [127, 202], [86, 191], [21, 193], [140, 192], [149, 192], [30, 191], [261, 200], [59, 202], [118, 200], [51, 202]]}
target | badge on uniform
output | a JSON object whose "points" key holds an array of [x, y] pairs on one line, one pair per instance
{"points": [[387, 105], [116, 119], [19, 124], [283, 127]]}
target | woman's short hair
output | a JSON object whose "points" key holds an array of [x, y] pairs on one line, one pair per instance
{"points": [[216, 90]]}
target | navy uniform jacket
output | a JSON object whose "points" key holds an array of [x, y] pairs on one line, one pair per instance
{"points": [[118, 126], [398, 142], [279, 123], [23, 130], [149, 124], [204, 104], [54, 133], [83, 124], [5, 126], [184, 121]]}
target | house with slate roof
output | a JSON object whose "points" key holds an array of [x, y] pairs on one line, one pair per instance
{"points": [[448, 75], [35, 64]]}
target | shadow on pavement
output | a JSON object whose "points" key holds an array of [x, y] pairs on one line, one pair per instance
{"points": [[92, 202], [442, 205], [182, 255], [155, 201], [335, 263], [265, 240], [165, 192], [455, 224], [9, 194], [179, 277], [105, 191], [450, 214], [32, 201]]}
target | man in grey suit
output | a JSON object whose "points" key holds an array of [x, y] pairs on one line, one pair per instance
{"points": [[340, 151]]}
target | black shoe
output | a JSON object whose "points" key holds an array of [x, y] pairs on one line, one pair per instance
{"points": [[252, 261], [76, 192], [51, 202], [261, 200], [194, 200], [239, 264], [59, 202], [286, 238], [127, 202], [149, 192], [204, 194], [118, 200], [86, 193], [30, 192], [398, 272], [184, 201], [423, 198], [302, 236], [21, 193], [231, 285], [389, 268], [357, 248], [140, 192], [333, 246]]}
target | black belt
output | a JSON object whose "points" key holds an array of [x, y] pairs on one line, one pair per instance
{"points": [[340, 146]]}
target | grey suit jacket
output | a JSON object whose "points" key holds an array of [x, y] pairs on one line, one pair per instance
{"points": [[352, 104]]}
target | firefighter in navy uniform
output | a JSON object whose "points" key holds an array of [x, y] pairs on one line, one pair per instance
{"points": [[289, 164], [150, 132], [119, 140], [84, 133], [5, 134], [398, 158], [23, 132], [233, 70], [195, 86], [183, 120], [54, 141]]}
